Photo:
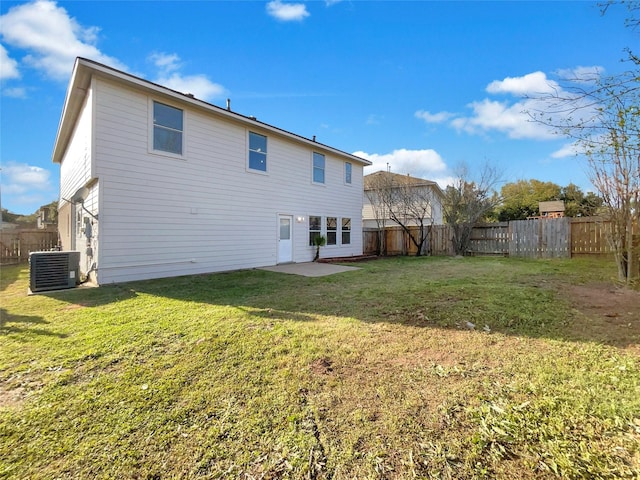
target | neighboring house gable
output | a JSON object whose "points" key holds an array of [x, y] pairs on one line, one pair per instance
{"points": [[157, 183], [374, 216]]}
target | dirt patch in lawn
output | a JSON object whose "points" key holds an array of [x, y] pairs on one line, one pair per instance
{"points": [[607, 314], [11, 398]]}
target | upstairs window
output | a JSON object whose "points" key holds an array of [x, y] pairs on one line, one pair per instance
{"points": [[257, 152], [318, 168], [347, 173], [332, 230], [346, 231], [167, 128]]}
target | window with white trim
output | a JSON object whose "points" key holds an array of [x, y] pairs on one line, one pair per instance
{"points": [[318, 167], [315, 228], [332, 230], [257, 152], [347, 173], [346, 231], [167, 128]]}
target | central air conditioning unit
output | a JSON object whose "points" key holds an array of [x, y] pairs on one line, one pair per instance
{"points": [[53, 270]]}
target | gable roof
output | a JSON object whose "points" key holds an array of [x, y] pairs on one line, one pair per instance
{"points": [[369, 180], [84, 69]]}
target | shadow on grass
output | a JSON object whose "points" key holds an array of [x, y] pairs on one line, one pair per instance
{"points": [[24, 324], [10, 273], [506, 296], [92, 297], [525, 299]]}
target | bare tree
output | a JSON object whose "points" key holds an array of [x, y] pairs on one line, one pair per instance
{"points": [[467, 202], [602, 116], [406, 201], [613, 152], [374, 184]]}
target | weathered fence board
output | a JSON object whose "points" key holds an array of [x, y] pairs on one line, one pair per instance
{"points": [[15, 245], [589, 236], [440, 240], [540, 238], [490, 239]]}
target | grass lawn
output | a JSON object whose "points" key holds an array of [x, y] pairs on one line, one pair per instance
{"points": [[373, 373]]}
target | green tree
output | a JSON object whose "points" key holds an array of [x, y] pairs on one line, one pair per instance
{"points": [[579, 204], [520, 199]]}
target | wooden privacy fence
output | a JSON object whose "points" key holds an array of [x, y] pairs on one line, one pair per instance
{"points": [[536, 238], [15, 246], [540, 238]]}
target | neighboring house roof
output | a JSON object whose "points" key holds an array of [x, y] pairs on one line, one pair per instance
{"points": [[80, 82], [371, 179]]}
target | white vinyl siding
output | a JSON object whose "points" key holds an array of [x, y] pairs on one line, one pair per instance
{"points": [[76, 165], [161, 218]]}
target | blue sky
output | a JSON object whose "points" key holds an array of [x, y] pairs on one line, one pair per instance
{"points": [[422, 86]]}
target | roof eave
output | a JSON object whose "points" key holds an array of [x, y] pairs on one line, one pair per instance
{"points": [[84, 69], [76, 92]]}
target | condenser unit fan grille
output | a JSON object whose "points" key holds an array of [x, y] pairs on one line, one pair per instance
{"points": [[53, 270]]}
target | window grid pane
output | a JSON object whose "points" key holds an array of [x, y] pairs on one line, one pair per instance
{"points": [[318, 167], [332, 227], [315, 223], [257, 152], [167, 128], [346, 231], [167, 116], [167, 140]]}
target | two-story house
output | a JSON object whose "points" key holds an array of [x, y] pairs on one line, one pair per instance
{"points": [[157, 183], [420, 195]]}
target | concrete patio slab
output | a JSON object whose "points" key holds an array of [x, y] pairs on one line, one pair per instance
{"points": [[309, 269]]}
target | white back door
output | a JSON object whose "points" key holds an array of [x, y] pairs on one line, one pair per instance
{"points": [[285, 241]]}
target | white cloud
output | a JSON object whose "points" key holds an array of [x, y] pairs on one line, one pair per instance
{"points": [[511, 119], [8, 66], [166, 62], [287, 12], [581, 74], [418, 163], [20, 178], [14, 92], [199, 85], [535, 83], [568, 150], [439, 117], [52, 38]]}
